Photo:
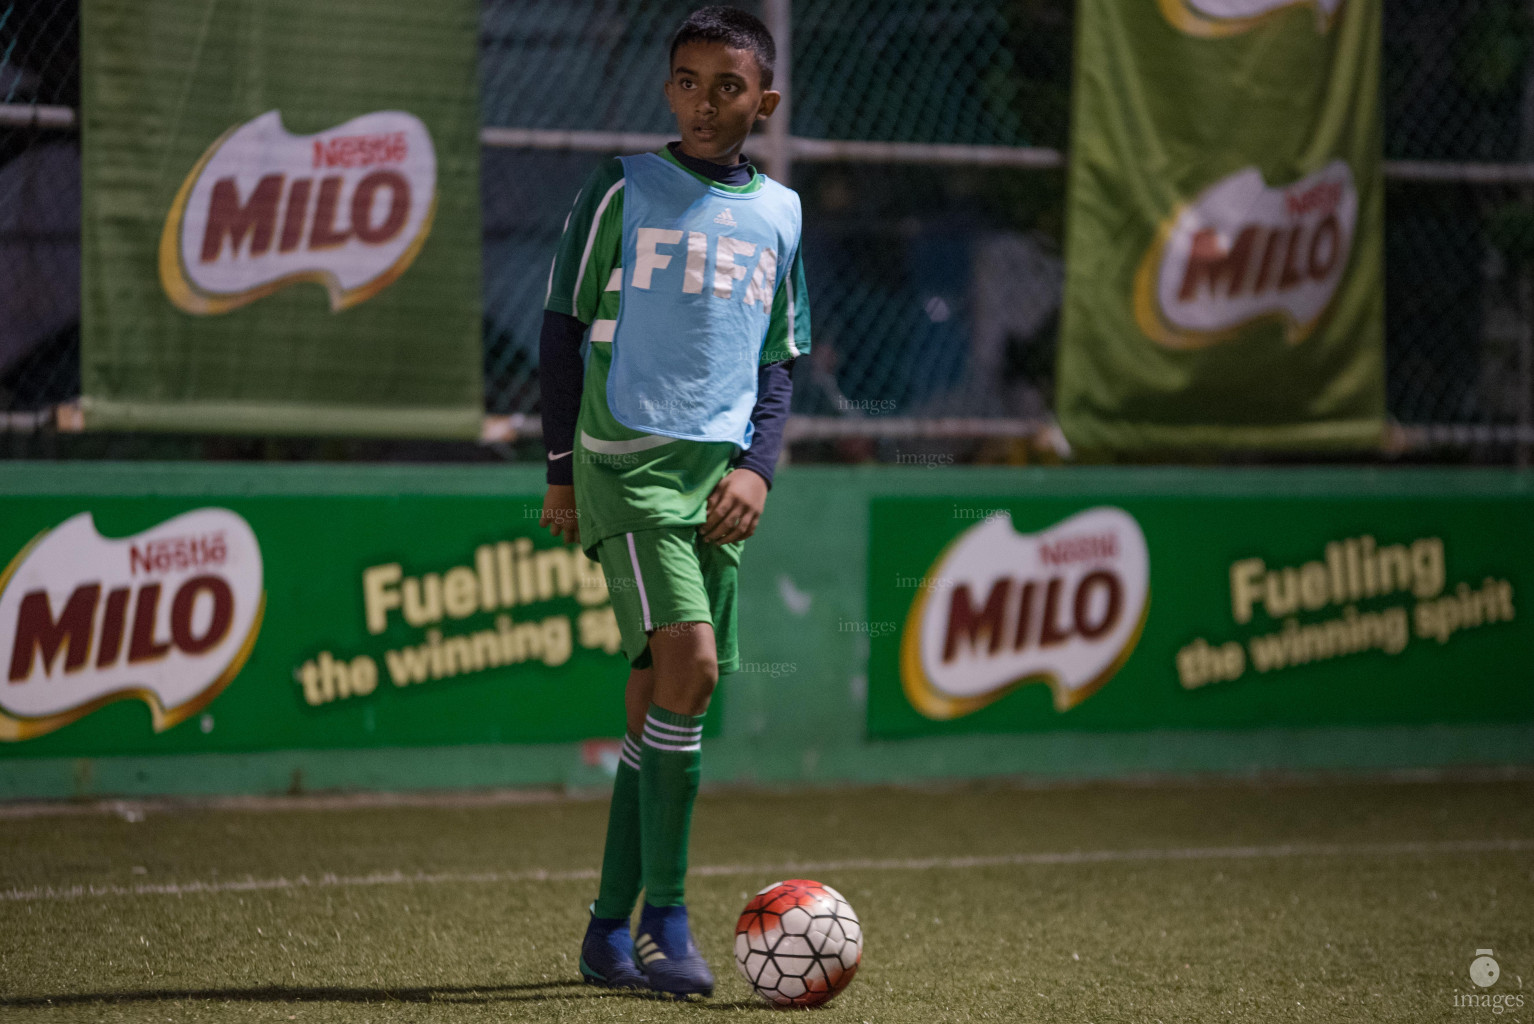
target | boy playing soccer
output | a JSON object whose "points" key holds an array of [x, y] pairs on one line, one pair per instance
{"points": [[685, 266]]}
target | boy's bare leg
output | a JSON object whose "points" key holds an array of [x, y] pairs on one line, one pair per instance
{"points": [[637, 696], [686, 667]]}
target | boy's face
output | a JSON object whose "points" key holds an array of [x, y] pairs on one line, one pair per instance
{"points": [[716, 93]]}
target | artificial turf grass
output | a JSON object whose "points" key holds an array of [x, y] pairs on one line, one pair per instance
{"points": [[1311, 938], [1153, 941]]}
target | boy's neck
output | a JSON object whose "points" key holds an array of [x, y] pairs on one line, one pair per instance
{"points": [[734, 175]]}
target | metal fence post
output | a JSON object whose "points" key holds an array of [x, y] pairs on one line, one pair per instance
{"points": [[1525, 452], [780, 154]]}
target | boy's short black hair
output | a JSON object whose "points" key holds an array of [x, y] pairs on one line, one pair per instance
{"points": [[732, 27]]}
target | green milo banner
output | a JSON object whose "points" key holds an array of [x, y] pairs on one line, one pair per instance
{"points": [[1224, 281], [158, 624], [197, 628], [1138, 613], [281, 217]]}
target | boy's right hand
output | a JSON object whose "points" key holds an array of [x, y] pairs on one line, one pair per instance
{"points": [[559, 513]]}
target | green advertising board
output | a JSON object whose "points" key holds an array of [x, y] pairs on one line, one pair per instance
{"points": [[281, 217], [172, 625], [234, 628], [1134, 612], [1225, 269]]}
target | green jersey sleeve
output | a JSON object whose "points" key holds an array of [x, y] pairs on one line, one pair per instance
{"points": [[788, 332], [591, 247]]}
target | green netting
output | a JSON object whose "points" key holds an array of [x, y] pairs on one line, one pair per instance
{"points": [[595, 66], [934, 289], [39, 208]]}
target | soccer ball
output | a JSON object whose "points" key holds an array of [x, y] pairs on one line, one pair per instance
{"points": [[798, 943]]}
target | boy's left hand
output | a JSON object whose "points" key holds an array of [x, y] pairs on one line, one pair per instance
{"points": [[735, 507]]}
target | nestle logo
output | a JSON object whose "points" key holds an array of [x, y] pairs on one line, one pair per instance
{"points": [[177, 554], [361, 150], [1322, 198], [1079, 549]]}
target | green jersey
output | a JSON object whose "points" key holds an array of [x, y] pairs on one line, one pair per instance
{"points": [[626, 480]]}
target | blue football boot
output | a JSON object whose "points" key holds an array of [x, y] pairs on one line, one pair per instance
{"points": [[666, 953], [607, 954]]}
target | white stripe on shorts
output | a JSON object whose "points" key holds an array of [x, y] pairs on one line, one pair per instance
{"points": [[644, 599]]}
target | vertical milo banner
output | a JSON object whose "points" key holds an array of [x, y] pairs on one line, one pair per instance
{"points": [[1225, 283], [281, 217]]}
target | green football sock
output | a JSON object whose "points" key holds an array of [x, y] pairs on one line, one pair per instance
{"points": [[668, 782], [621, 877]]}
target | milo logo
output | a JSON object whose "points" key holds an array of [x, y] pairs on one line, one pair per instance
{"points": [[1064, 606], [1214, 19], [348, 207], [1243, 251], [167, 616]]}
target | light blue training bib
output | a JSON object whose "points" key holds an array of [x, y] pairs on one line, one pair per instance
{"points": [[700, 268]]}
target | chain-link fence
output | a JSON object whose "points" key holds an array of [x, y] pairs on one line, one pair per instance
{"points": [[926, 138], [39, 210], [1459, 130]]}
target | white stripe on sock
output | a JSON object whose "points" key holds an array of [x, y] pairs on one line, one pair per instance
{"points": [[660, 737], [678, 731], [663, 743], [674, 747]]}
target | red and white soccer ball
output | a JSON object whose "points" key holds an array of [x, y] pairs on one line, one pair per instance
{"points": [[798, 943]]}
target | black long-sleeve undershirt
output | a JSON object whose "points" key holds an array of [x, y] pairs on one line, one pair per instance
{"points": [[560, 374]]}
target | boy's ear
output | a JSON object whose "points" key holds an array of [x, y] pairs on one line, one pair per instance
{"points": [[770, 101]]}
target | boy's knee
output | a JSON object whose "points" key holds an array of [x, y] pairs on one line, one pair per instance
{"points": [[705, 676], [694, 658], [686, 665]]}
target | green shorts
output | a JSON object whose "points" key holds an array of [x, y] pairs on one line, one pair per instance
{"points": [[665, 575]]}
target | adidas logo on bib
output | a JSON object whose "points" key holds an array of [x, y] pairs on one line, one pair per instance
{"points": [[725, 217]]}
